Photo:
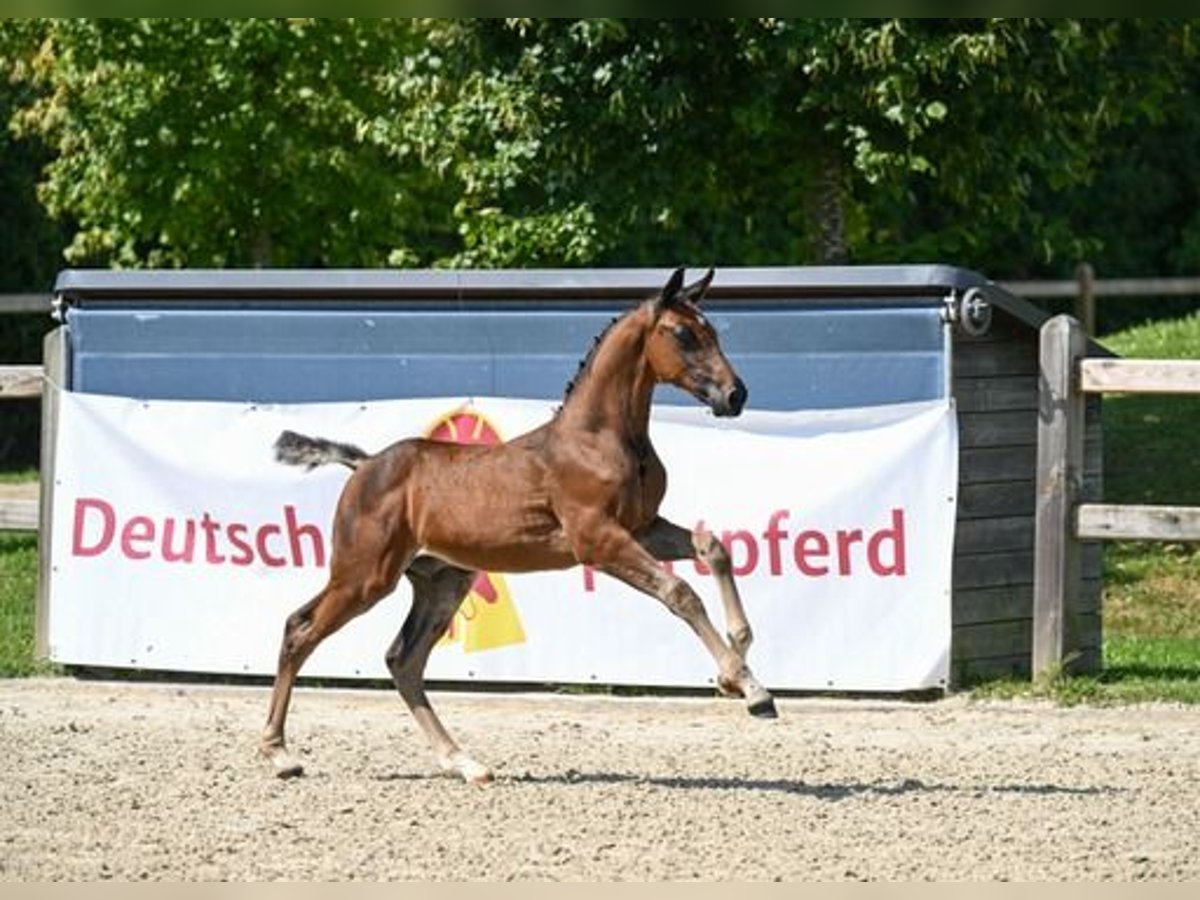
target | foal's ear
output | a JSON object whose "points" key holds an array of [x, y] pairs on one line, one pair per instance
{"points": [[669, 295], [695, 291], [674, 292]]}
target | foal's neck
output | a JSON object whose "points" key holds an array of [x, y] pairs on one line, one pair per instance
{"points": [[613, 391]]}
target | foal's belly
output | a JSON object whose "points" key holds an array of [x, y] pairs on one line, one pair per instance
{"points": [[504, 535], [506, 555]]}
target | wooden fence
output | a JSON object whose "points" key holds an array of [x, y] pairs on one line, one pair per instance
{"points": [[18, 382], [1086, 289], [1061, 521], [19, 504]]}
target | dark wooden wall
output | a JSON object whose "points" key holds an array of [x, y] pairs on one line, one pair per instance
{"points": [[996, 391]]}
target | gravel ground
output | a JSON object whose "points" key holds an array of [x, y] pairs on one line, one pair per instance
{"points": [[154, 781]]}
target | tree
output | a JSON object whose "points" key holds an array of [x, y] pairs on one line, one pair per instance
{"points": [[213, 142], [1031, 114], [490, 142], [783, 141], [29, 242], [29, 258]]}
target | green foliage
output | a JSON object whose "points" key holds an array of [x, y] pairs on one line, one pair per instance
{"points": [[489, 142], [742, 141], [1024, 108], [29, 242], [30, 255], [214, 142]]}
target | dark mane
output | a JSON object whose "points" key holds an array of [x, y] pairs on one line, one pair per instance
{"points": [[586, 362]]}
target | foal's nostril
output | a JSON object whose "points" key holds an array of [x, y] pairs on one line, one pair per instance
{"points": [[737, 397]]}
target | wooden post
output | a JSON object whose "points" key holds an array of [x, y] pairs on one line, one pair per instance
{"points": [[1085, 299], [54, 365], [1057, 570]]}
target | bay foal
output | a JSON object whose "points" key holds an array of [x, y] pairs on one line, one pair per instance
{"points": [[585, 487]]}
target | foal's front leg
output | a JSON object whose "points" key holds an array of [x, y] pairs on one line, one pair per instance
{"points": [[628, 560], [668, 542]]}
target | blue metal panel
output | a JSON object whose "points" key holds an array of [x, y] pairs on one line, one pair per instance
{"points": [[792, 355]]}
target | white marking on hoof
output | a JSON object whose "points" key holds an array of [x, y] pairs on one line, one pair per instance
{"points": [[284, 764], [466, 768]]}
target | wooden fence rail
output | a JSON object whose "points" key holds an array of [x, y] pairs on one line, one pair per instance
{"points": [[1062, 522], [19, 507], [19, 504], [17, 382], [1086, 289], [26, 303]]}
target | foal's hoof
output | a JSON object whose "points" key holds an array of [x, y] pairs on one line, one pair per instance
{"points": [[763, 709], [468, 769], [482, 778], [283, 763]]}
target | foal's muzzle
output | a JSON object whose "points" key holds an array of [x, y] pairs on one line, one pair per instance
{"points": [[733, 400]]}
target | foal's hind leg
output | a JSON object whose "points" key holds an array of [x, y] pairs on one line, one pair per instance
{"points": [[303, 630], [350, 592], [667, 541], [438, 590]]}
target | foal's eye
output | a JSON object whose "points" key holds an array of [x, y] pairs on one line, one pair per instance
{"points": [[685, 337]]}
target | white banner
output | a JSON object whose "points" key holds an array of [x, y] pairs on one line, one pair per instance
{"points": [[178, 543]]}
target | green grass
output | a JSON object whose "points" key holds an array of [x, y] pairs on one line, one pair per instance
{"points": [[18, 590], [1137, 669], [1150, 440], [1152, 589]]}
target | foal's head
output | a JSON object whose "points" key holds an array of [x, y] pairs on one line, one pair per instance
{"points": [[682, 349]]}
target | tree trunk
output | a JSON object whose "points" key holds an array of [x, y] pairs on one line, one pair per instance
{"points": [[262, 249], [825, 208]]}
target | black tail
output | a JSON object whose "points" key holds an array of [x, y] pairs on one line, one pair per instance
{"points": [[298, 450]]}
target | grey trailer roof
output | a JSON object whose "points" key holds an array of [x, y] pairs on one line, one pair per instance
{"points": [[82, 283], [95, 283], [878, 284]]}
